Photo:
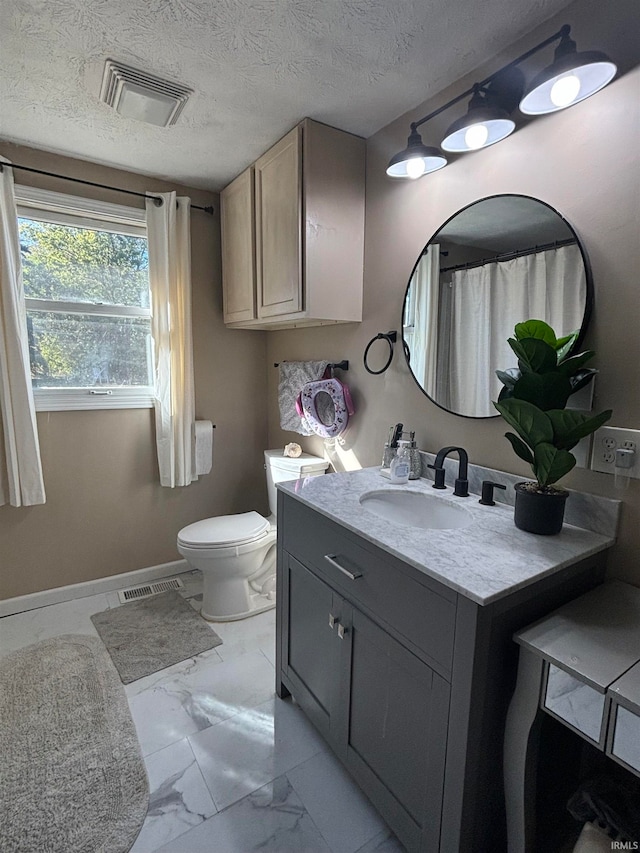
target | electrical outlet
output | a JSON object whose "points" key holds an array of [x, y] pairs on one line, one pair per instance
{"points": [[606, 441]]}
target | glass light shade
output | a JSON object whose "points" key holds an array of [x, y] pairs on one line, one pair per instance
{"points": [[416, 160], [416, 167], [481, 127], [476, 136], [565, 90], [570, 79]]}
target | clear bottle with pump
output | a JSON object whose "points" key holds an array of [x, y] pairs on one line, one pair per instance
{"points": [[400, 464]]}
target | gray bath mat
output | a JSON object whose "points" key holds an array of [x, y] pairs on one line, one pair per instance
{"points": [[71, 776], [154, 633]]}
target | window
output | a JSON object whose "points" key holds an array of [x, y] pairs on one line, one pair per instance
{"points": [[86, 282]]}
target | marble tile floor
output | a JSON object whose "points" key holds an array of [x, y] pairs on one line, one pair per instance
{"points": [[231, 767]]}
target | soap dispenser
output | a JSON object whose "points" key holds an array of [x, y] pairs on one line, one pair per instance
{"points": [[415, 462], [400, 464]]}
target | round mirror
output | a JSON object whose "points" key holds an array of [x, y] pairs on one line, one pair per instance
{"points": [[498, 262]]}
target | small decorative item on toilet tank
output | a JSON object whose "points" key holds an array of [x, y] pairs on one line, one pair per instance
{"points": [[292, 450]]}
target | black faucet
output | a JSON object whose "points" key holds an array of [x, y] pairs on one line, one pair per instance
{"points": [[462, 483]]}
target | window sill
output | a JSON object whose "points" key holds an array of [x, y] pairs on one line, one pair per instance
{"points": [[81, 399]]}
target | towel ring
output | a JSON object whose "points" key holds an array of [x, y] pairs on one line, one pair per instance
{"points": [[390, 338]]}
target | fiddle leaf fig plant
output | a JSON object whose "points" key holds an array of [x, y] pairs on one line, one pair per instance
{"points": [[534, 398]]}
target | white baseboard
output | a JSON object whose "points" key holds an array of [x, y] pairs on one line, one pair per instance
{"points": [[81, 590]]}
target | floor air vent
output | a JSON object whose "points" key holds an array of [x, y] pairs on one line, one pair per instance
{"points": [[147, 590]]}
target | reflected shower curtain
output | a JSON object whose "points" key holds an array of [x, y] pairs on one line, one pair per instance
{"points": [[168, 231], [424, 336], [21, 482], [487, 301]]}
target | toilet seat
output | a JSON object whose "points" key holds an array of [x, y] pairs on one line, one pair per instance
{"points": [[225, 531], [236, 554]]}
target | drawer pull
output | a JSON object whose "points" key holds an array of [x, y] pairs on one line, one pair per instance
{"points": [[331, 558]]}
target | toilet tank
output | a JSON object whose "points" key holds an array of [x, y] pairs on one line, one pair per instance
{"points": [[280, 467]]}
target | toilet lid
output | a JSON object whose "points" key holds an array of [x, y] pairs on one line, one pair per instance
{"points": [[224, 530]]}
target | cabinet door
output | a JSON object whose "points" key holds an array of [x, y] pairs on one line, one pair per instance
{"points": [[278, 176], [394, 729], [310, 645], [238, 249]]}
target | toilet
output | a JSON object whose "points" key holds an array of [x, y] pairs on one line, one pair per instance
{"points": [[237, 553]]}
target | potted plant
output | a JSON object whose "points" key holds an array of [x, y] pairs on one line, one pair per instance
{"points": [[533, 403]]}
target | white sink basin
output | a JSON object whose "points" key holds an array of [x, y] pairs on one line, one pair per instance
{"points": [[415, 509]]}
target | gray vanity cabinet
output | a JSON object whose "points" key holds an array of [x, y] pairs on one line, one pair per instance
{"points": [[394, 728], [311, 651], [382, 709], [407, 680]]}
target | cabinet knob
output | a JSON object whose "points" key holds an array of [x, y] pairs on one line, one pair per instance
{"points": [[341, 631], [332, 621]]}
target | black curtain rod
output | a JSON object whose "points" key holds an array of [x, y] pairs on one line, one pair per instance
{"points": [[508, 256], [157, 199]]}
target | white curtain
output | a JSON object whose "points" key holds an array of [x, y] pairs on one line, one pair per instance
{"points": [[487, 302], [170, 278], [423, 339], [21, 482]]}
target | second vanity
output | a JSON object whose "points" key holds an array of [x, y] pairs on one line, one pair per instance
{"points": [[396, 641]]}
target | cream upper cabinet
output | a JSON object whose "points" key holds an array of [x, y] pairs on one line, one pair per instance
{"points": [[278, 223], [297, 258], [238, 249]]}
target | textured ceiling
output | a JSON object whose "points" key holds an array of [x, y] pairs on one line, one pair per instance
{"points": [[256, 66]]}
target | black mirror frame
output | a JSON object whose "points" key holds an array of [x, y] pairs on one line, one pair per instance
{"points": [[588, 308]]}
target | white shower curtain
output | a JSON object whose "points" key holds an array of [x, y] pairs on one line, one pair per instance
{"points": [[487, 302], [423, 342], [168, 232], [21, 482]]}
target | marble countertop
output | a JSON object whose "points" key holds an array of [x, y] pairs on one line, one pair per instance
{"points": [[485, 561]]}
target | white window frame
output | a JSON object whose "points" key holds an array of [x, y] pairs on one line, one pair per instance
{"points": [[63, 209]]}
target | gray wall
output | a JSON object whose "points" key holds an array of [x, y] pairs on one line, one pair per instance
{"points": [[583, 162], [106, 512]]}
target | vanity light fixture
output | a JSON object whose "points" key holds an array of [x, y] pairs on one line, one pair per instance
{"points": [[417, 159], [486, 122], [571, 78]]}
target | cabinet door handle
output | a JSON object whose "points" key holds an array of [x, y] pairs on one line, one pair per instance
{"points": [[341, 631], [332, 621], [331, 558]]}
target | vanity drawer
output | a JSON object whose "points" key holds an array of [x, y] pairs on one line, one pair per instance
{"points": [[373, 579], [576, 703]]}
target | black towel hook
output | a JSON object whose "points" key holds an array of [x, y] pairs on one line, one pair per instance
{"points": [[390, 338]]}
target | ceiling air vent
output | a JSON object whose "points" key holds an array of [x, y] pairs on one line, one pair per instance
{"points": [[136, 94]]}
